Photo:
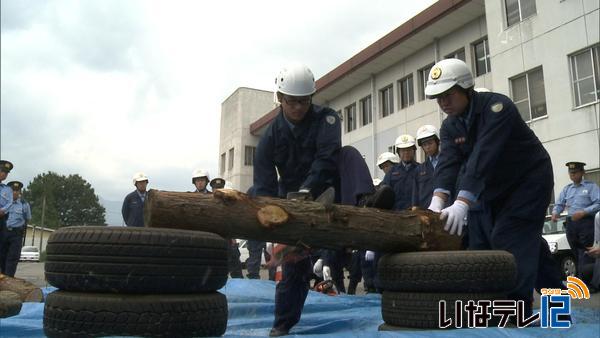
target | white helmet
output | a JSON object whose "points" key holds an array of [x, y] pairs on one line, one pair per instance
{"points": [[200, 173], [426, 131], [405, 141], [139, 177], [376, 181], [446, 74], [482, 90], [295, 80], [387, 156]]}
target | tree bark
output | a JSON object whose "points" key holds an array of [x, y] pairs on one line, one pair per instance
{"points": [[10, 304], [26, 291], [233, 214]]}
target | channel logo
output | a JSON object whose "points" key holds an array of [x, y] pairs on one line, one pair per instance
{"points": [[576, 288]]}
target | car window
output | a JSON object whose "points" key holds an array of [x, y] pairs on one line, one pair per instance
{"points": [[30, 249], [557, 227]]}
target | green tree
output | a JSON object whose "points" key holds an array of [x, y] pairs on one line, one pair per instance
{"points": [[70, 200]]}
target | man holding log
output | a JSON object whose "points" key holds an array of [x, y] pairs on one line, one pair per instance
{"points": [[499, 161], [303, 146]]}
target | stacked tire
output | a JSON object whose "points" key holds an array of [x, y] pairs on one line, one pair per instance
{"points": [[135, 282], [414, 283]]}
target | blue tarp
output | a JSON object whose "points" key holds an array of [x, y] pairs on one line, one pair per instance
{"points": [[251, 314]]}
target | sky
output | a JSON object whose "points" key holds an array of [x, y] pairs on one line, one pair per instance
{"points": [[105, 88]]}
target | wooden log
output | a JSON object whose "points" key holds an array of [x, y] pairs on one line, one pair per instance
{"points": [[10, 304], [26, 290], [233, 214]]}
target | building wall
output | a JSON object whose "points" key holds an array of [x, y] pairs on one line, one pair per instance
{"points": [[238, 111], [33, 237], [546, 39], [375, 138]]}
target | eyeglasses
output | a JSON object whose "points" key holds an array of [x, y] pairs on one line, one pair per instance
{"points": [[304, 101], [446, 94]]}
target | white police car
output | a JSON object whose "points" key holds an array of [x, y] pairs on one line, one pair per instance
{"points": [[555, 234]]}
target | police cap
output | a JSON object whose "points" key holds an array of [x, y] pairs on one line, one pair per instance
{"points": [[575, 166], [15, 185], [217, 183], [5, 166]]}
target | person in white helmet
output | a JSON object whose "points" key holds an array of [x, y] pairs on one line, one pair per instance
{"points": [[402, 175], [133, 205], [299, 155], [428, 139], [200, 179], [490, 155], [385, 162]]}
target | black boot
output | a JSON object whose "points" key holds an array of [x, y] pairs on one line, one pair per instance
{"points": [[352, 287], [382, 198]]}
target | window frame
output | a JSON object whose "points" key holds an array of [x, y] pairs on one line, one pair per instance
{"points": [[350, 120], [230, 154], [366, 101], [249, 160], [223, 162], [453, 54], [520, 8], [526, 74], [423, 77], [410, 91], [390, 102], [595, 74], [487, 57]]}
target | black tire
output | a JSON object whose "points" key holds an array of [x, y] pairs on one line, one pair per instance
{"points": [[568, 266], [136, 260], [421, 310], [448, 271], [79, 314]]}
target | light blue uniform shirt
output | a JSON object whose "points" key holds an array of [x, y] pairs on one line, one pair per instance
{"points": [[584, 196], [18, 214], [6, 197]]}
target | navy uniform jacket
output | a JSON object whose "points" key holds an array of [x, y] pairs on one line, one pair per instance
{"points": [[304, 158], [402, 181], [133, 210], [494, 152], [423, 185]]}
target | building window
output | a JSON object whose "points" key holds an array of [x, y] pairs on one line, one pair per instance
{"points": [[350, 113], [423, 77], [518, 10], [457, 54], [249, 155], [222, 163], [230, 165], [392, 149], [482, 57], [529, 95], [387, 101], [406, 91], [366, 112], [585, 76]]}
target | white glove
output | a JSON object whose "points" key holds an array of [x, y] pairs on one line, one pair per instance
{"points": [[305, 190], [326, 273], [437, 204], [318, 267], [369, 256], [269, 248], [455, 215]]}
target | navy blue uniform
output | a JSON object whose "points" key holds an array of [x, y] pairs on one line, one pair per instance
{"points": [[306, 155], [401, 178], [423, 185], [500, 160], [133, 210]]}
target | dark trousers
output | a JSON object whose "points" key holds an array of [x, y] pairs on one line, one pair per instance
{"points": [[10, 249], [290, 293], [335, 260], [255, 252], [354, 181], [233, 261], [514, 223], [355, 270], [369, 272], [580, 235]]}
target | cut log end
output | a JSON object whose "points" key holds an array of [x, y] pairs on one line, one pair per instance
{"points": [[271, 216]]}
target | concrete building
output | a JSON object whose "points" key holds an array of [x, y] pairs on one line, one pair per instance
{"points": [[542, 54], [237, 144]]}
